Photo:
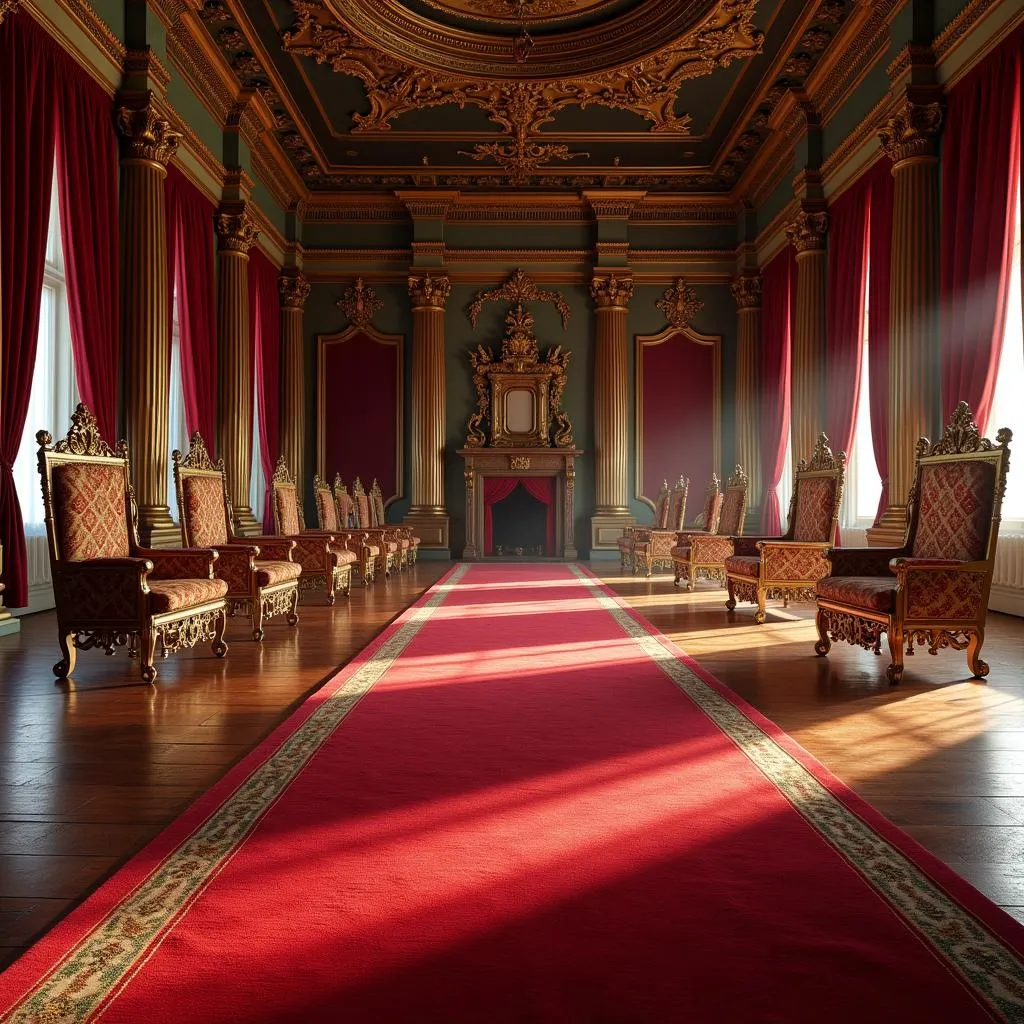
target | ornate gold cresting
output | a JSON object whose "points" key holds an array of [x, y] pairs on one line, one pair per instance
{"points": [[912, 132], [520, 288], [679, 304], [360, 304], [807, 230]]}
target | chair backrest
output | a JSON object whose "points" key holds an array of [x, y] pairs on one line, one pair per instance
{"points": [[661, 507], [817, 493], [712, 504], [203, 503], [87, 498], [343, 503], [734, 505], [957, 496], [326, 509], [377, 504], [287, 508], [677, 507], [360, 505]]}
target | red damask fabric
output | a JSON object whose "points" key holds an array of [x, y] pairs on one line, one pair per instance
{"points": [[345, 508], [233, 567], [99, 594], [661, 512], [872, 593], [712, 550], [343, 555], [287, 510], [363, 510], [731, 518], [327, 509], [178, 563], [89, 511], [955, 510], [945, 595], [681, 554], [310, 552], [743, 565], [782, 562], [204, 510], [269, 573], [863, 561], [177, 595], [815, 506]]}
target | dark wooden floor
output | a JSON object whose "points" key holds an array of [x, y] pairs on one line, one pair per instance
{"points": [[90, 772]]}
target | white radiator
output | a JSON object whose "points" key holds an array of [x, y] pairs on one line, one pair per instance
{"points": [[40, 586], [1008, 577]]}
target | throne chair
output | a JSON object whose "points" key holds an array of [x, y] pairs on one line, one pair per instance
{"points": [[652, 547], [261, 587], [381, 538], [109, 591], [408, 544], [789, 566], [628, 539], [701, 554], [934, 590], [345, 512]]}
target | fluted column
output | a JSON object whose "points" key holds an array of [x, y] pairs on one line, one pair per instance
{"points": [[611, 295], [807, 390], [236, 235], [747, 292], [910, 141], [146, 320], [428, 514], [294, 292]]}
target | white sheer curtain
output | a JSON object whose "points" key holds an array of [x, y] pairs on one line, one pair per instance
{"points": [[177, 429]]}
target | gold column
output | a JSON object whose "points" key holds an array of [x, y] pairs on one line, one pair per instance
{"points": [[236, 235], [146, 317], [611, 295], [294, 292], [747, 292], [428, 514], [910, 141], [807, 389]]}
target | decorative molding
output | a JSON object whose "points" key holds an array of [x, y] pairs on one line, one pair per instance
{"points": [[429, 292], [150, 136], [522, 156], [236, 231], [913, 132], [360, 304], [294, 288], [611, 291], [427, 205], [746, 290], [807, 231], [146, 63], [92, 24], [960, 26], [679, 304], [609, 204], [519, 288]]}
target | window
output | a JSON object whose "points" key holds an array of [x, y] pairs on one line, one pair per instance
{"points": [[785, 488], [177, 430], [1007, 410], [257, 485], [54, 395]]}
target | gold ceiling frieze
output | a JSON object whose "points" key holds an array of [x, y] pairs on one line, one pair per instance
{"points": [[533, 12]]}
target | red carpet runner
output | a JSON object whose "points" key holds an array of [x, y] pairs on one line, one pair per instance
{"points": [[522, 804]]}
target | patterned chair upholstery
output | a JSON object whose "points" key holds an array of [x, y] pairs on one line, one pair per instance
{"points": [[369, 550], [629, 533], [701, 554], [323, 556], [262, 579], [381, 538], [408, 544], [934, 590], [110, 591], [652, 547], [789, 566]]}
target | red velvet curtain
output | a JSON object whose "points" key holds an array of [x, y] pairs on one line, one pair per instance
{"points": [[980, 169], [190, 262], [28, 84], [543, 489], [265, 321], [879, 283], [498, 488], [778, 278], [847, 284], [87, 184]]}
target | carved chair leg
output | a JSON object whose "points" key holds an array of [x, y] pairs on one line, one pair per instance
{"points": [[894, 673], [69, 653], [730, 602], [220, 625], [331, 583], [691, 582], [293, 612], [824, 644], [761, 614], [147, 650], [979, 668], [256, 614], [678, 567]]}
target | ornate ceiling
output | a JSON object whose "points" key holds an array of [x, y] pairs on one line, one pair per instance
{"points": [[664, 95]]}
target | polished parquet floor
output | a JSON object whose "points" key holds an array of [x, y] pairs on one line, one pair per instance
{"points": [[90, 772]]}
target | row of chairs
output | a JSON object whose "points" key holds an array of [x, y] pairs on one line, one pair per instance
{"points": [[111, 592]]}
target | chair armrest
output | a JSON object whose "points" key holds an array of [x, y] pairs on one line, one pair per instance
{"points": [[313, 552], [709, 547], [274, 548], [862, 561], [180, 563], [134, 566], [907, 564], [942, 588], [750, 545], [794, 560], [327, 535], [685, 537]]}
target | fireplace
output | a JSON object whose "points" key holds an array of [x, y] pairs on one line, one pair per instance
{"points": [[519, 516]]}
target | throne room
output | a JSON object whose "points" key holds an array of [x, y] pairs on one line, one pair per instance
{"points": [[509, 511]]}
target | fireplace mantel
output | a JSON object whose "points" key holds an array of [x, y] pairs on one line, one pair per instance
{"points": [[520, 462]]}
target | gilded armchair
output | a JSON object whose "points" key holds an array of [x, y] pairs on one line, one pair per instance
{"points": [[369, 549], [382, 538], [262, 579], [701, 554], [789, 566], [629, 533], [109, 591], [652, 546], [408, 544], [934, 590], [323, 556]]}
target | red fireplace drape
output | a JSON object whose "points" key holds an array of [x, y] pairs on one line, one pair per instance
{"points": [[879, 283], [847, 284], [265, 321], [190, 258], [980, 171], [778, 278], [87, 183], [28, 74], [498, 488]]}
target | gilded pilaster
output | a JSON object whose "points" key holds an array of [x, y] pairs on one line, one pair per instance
{"points": [[807, 235], [747, 292], [294, 292], [910, 140], [611, 294], [236, 235], [428, 514], [150, 143]]}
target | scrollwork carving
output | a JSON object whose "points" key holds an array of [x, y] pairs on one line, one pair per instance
{"points": [[963, 436], [360, 304], [520, 288], [83, 438], [429, 292], [746, 290], [150, 136], [294, 290], [912, 132], [611, 292], [236, 231], [679, 304], [808, 230]]}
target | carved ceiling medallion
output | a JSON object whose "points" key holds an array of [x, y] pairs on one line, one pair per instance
{"points": [[535, 12]]}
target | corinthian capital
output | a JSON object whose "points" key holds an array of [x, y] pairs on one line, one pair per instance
{"points": [[150, 136], [912, 132], [611, 292], [808, 230], [235, 230], [429, 292], [294, 290], [746, 290]]}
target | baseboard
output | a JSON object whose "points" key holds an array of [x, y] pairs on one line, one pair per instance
{"points": [[40, 599], [1009, 600]]}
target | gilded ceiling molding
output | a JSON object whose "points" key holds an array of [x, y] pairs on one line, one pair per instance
{"points": [[960, 27], [429, 292], [294, 287], [537, 12], [150, 135], [520, 288], [746, 290], [653, 210], [679, 304], [611, 291], [360, 304], [236, 231], [913, 132], [147, 63], [427, 205], [521, 157], [807, 231], [519, 256], [609, 204], [196, 65]]}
